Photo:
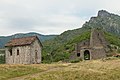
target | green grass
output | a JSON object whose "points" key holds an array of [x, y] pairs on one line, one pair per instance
{"points": [[13, 71], [10, 71]]}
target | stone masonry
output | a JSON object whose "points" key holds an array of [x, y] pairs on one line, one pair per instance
{"points": [[25, 50], [94, 48]]}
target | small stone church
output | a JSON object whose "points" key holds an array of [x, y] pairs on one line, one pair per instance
{"points": [[94, 48], [26, 50]]}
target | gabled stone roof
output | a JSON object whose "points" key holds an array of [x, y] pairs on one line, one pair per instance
{"points": [[22, 41]]}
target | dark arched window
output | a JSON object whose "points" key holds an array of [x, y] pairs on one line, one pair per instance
{"points": [[36, 55], [98, 34], [78, 54], [17, 51], [10, 51], [84, 43]]}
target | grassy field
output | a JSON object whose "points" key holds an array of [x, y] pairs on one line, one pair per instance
{"points": [[108, 69]]}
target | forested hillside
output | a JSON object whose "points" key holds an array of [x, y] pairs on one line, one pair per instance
{"points": [[63, 45]]}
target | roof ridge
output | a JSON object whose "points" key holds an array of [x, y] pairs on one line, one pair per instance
{"points": [[21, 41]]}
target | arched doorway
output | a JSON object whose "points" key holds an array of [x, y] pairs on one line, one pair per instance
{"points": [[86, 55]]}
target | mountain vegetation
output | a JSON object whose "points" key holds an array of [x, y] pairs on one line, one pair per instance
{"points": [[62, 46]]}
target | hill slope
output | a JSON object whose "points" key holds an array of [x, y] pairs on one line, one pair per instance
{"points": [[62, 46]]}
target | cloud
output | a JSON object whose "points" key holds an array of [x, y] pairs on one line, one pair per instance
{"points": [[49, 16]]}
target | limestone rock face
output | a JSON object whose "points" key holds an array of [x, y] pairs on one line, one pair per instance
{"points": [[103, 13], [104, 20]]}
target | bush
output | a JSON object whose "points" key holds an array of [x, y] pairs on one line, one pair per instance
{"points": [[61, 56], [76, 60], [118, 50], [2, 59]]}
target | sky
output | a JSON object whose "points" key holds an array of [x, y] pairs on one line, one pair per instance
{"points": [[50, 16]]}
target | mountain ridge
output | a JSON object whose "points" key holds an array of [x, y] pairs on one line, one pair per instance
{"points": [[5, 39], [106, 21]]}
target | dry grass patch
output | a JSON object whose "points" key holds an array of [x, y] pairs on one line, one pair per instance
{"points": [[86, 70]]}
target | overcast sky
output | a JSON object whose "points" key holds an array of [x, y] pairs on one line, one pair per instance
{"points": [[49, 16]]}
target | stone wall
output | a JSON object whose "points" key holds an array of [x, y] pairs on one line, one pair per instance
{"points": [[98, 44], [82, 45], [22, 58], [36, 49], [97, 38], [98, 53]]}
